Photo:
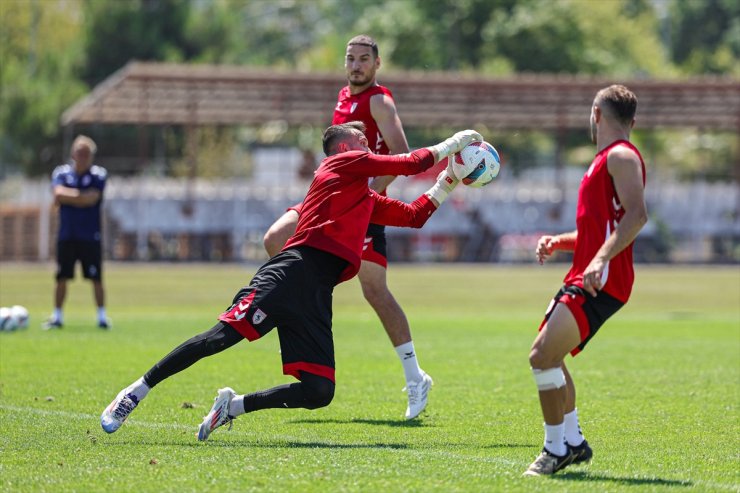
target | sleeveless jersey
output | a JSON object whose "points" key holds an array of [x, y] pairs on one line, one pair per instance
{"points": [[353, 107], [597, 214]]}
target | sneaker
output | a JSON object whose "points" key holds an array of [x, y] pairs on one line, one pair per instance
{"points": [[118, 410], [582, 453], [418, 393], [52, 323], [104, 324], [218, 415], [548, 463]]}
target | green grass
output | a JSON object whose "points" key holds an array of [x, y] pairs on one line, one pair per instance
{"points": [[659, 388]]}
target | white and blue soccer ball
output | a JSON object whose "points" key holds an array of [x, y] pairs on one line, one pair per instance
{"points": [[13, 318], [477, 164]]}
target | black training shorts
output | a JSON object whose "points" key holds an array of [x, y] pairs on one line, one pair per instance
{"points": [[589, 311], [293, 292], [374, 250], [88, 253]]}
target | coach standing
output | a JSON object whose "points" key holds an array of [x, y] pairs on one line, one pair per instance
{"points": [[78, 191]]}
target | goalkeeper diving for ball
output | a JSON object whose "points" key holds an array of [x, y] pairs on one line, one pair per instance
{"points": [[293, 290]]}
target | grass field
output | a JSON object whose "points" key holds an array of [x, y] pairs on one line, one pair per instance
{"points": [[659, 388]]}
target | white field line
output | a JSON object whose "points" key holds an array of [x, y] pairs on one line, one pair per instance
{"points": [[287, 438]]}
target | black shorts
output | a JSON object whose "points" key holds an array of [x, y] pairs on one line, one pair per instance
{"points": [[88, 253], [374, 250], [293, 292], [589, 311]]}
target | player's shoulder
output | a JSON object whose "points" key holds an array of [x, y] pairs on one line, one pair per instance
{"points": [[99, 172], [623, 152], [380, 90], [61, 170], [624, 158]]}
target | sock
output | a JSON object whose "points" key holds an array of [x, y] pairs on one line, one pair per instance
{"points": [[407, 355], [555, 439], [139, 388], [573, 434], [57, 315], [101, 314], [236, 407]]}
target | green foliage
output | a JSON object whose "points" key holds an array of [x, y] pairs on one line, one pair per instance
{"points": [[568, 36], [40, 54], [54, 51], [705, 35], [657, 388], [117, 32]]}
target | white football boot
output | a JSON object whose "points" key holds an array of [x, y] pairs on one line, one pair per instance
{"points": [[218, 415], [418, 394], [118, 410]]}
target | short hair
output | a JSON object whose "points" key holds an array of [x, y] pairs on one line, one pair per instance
{"points": [[336, 133], [364, 40], [84, 140], [619, 102]]}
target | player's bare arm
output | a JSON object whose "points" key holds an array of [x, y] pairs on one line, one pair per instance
{"points": [[386, 117], [75, 197], [626, 172], [548, 244]]}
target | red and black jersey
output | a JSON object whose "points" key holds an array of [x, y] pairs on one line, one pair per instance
{"points": [[356, 107], [598, 212], [339, 205]]}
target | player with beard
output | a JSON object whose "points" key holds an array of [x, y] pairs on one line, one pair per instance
{"points": [[610, 213], [293, 290], [365, 100]]}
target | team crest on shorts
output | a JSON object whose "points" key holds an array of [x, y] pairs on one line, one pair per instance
{"points": [[258, 316]]}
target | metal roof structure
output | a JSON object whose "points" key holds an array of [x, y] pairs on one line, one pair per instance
{"points": [[183, 94]]}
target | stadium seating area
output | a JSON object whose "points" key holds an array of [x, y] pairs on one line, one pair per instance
{"points": [[166, 219]]}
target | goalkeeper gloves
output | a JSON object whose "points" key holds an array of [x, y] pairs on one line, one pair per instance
{"points": [[446, 182], [456, 143]]}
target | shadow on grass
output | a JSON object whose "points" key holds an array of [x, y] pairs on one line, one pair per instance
{"points": [[587, 476], [266, 445], [393, 423], [510, 445]]}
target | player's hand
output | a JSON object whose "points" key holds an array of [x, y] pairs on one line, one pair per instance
{"points": [[545, 247], [463, 138], [447, 179], [592, 276], [455, 143], [446, 182]]}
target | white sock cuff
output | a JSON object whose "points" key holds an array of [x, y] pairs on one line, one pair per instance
{"points": [[406, 347], [407, 355], [236, 406], [140, 388]]}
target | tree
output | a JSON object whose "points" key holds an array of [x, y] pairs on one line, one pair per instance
{"points": [[117, 32], [704, 35], [40, 52]]}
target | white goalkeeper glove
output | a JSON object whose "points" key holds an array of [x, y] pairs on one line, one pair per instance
{"points": [[456, 143], [446, 182]]}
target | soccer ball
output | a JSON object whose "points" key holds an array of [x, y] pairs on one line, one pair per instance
{"points": [[7, 321], [21, 316], [477, 164], [15, 317]]}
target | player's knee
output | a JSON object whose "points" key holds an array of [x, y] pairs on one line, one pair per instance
{"points": [[549, 379], [536, 359], [541, 359], [375, 291], [318, 391]]}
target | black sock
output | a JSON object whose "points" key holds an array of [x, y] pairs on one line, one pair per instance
{"points": [[312, 392]]}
